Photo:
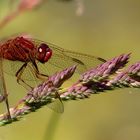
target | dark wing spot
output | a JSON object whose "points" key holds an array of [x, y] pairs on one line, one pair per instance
{"points": [[78, 61], [101, 59]]}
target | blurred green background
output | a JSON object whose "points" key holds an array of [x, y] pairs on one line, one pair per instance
{"points": [[106, 29]]}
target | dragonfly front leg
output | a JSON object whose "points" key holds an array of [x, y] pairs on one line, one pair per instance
{"points": [[39, 75], [19, 76]]}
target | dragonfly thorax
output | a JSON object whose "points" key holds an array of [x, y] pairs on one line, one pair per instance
{"points": [[44, 53]]}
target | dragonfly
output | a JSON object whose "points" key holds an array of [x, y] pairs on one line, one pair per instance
{"points": [[24, 54]]}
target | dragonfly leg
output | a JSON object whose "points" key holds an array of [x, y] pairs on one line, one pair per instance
{"points": [[8, 108], [58, 102], [37, 73], [41, 76], [5, 95], [19, 77]]}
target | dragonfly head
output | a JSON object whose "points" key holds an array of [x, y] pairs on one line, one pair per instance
{"points": [[44, 53]]}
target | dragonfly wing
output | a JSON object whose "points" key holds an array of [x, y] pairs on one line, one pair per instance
{"points": [[3, 91], [63, 58], [62, 61], [56, 106], [1, 78], [11, 68], [88, 61]]}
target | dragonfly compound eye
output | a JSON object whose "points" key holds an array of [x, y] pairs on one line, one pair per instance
{"points": [[44, 53]]}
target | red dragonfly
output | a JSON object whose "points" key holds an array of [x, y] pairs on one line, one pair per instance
{"points": [[25, 54]]}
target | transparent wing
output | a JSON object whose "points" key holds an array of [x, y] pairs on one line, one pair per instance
{"points": [[56, 106], [11, 68], [2, 82], [62, 58], [3, 91]]}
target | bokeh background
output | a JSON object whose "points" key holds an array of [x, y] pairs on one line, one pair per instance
{"points": [[97, 27]]}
